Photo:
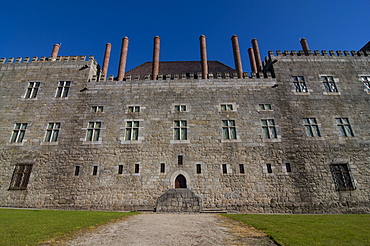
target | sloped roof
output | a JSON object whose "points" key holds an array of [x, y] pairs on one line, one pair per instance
{"points": [[180, 67]]}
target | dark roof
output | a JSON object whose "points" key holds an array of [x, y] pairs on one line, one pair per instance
{"points": [[366, 47], [180, 67]]}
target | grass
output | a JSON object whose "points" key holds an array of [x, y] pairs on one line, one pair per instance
{"points": [[312, 230], [29, 227]]}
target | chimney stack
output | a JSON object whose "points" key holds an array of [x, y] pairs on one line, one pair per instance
{"points": [[237, 58], [252, 60], [257, 55], [304, 45], [203, 56], [123, 59], [156, 48], [55, 52], [108, 48]]}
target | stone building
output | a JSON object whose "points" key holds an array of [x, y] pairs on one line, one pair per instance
{"points": [[292, 136]]}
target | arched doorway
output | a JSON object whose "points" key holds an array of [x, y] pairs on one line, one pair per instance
{"points": [[180, 181]]}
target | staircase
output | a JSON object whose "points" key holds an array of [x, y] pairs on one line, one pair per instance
{"points": [[179, 200]]}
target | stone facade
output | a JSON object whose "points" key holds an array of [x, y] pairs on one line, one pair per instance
{"points": [[293, 138]]}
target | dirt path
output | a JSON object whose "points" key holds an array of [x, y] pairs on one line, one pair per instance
{"points": [[172, 229]]}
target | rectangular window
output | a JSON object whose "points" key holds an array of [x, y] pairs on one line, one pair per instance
{"points": [[344, 127], [163, 168], [269, 168], [224, 168], [265, 106], [77, 170], [241, 168], [63, 88], [32, 89], [120, 169], [180, 108], [137, 168], [366, 81], [329, 83], [269, 129], [299, 84], [229, 129], [226, 107], [180, 130], [97, 109], [311, 127], [180, 160], [199, 168], [288, 168], [21, 176], [95, 170], [52, 132], [93, 131], [134, 109], [341, 176], [132, 130], [18, 132]]}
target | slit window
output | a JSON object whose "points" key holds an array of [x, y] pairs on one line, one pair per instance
{"points": [[199, 168], [180, 160], [120, 169], [269, 168], [163, 167], [77, 170], [95, 170], [241, 168], [288, 167], [224, 168]]}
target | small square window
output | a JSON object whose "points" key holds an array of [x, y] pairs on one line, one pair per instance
{"points": [[226, 107], [134, 109], [120, 169], [269, 168], [97, 109], [163, 167], [241, 168], [179, 108], [265, 106], [137, 168], [199, 168]]}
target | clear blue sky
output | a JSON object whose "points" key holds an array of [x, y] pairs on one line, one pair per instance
{"points": [[83, 27]]}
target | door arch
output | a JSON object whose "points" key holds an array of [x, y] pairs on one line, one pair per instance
{"points": [[180, 181]]}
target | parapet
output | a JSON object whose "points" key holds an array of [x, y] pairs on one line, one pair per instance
{"points": [[45, 59], [320, 53]]}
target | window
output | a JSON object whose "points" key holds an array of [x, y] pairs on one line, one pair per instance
{"points": [[93, 131], [52, 132], [137, 168], [269, 129], [224, 168], [132, 130], [241, 168], [226, 107], [133, 109], [199, 168], [299, 84], [265, 106], [21, 176], [341, 176], [63, 88], [163, 167], [18, 132], [95, 170], [269, 168], [329, 83], [311, 127], [97, 109], [120, 169], [77, 170], [32, 89], [229, 129], [288, 167], [366, 81], [344, 127], [180, 130], [180, 160], [180, 108]]}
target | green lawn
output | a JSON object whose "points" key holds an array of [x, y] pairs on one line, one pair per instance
{"points": [[29, 227], [289, 230]]}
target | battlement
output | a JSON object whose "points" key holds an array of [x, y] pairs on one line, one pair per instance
{"points": [[45, 59], [351, 53]]}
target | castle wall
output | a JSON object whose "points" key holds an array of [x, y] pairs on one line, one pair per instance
{"points": [[307, 188]]}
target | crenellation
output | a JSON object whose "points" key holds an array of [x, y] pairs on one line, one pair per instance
{"points": [[43, 58], [353, 53], [110, 77], [324, 53], [18, 60], [294, 53], [2, 60], [317, 52], [26, 59], [331, 53], [34, 59], [346, 53], [339, 53], [10, 60]]}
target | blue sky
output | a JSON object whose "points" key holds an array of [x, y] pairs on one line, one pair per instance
{"points": [[83, 27]]}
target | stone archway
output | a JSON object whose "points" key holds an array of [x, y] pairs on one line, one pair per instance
{"points": [[180, 181]]}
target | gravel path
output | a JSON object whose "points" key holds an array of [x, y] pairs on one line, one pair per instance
{"points": [[172, 229]]}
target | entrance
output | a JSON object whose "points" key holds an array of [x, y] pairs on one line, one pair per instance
{"points": [[180, 181]]}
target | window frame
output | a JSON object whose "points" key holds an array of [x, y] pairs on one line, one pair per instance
{"points": [[300, 84], [19, 131], [52, 132], [132, 130], [32, 90], [342, 178], [311, 127], [229, 130], [93, 131], [63, 88], [21, 176], [344, 127], [268, 129], [180, 130], [330, 83]]}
